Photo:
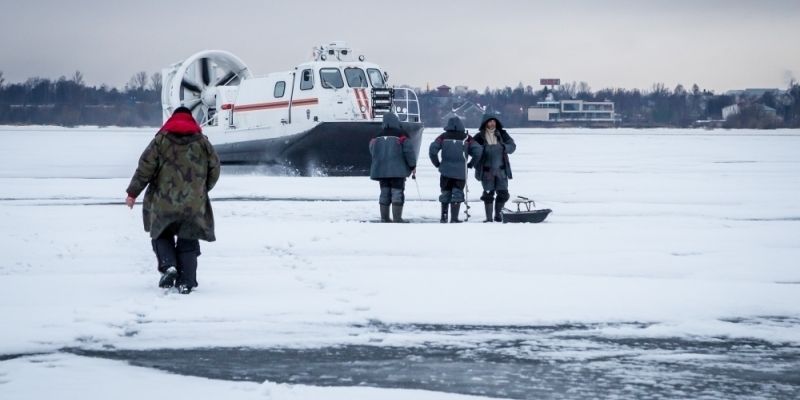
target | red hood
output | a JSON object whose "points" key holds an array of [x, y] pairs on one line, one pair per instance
{"points": [[181, 124]]}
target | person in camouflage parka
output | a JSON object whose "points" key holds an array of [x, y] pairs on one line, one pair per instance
{"points": [[179, 167]]}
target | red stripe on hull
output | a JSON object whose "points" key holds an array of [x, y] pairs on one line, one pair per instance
{"points": [[366, 100], [362, 102], [276, 104]]}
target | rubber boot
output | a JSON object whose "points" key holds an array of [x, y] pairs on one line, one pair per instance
{"points": [[385, 213], [188, 251], [498, 211], [488, 208], [187, 265], [444, 213], [397, 213], [454, 207], [164, 247], [167, 279]]}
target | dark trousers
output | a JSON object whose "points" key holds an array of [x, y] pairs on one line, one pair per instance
{"points": [[502, 196], [181, 254], [392, 191], [452, 189], [446, 183]]}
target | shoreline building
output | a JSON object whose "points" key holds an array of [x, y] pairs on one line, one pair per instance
{"points": [[572, 111], [734, 109]]}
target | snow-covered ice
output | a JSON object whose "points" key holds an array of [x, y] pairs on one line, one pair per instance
{"points": [[662, 234], [70, 377]]}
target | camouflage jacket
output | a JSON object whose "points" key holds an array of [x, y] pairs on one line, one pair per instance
{"points": [[178, 170]]}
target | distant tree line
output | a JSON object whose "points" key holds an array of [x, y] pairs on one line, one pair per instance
{"points": [[69, 101], [657, 107]]}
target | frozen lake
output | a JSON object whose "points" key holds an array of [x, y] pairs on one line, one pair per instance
{"points": [[669, 268]]}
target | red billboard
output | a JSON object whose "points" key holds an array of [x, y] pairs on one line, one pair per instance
{"points": [[550, 82]]}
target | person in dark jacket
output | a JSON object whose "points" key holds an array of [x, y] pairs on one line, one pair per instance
{"points": [[455, 145], [394, 158], [179, 167], [494, 167]]}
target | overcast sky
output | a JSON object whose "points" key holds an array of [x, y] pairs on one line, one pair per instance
{"points": [[718, 44]]}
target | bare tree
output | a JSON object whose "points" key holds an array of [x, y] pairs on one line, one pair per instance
{"points": [[570, 89], [2, 80], [138, 81], [77, 78], [695, 90], [659, 89], [155, 82], [584, 88], [679, 90]]}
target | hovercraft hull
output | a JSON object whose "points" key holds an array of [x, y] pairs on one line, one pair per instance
{"points": [[329, 148]]}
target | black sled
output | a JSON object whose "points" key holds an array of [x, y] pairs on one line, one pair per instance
{"points": [[530, 214]]}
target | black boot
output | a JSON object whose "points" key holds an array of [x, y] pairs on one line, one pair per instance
{"points": [[488, 208], [168, 277], [444, 213], [498, 211], [188, 251], [397, 213], [454, 207], [385, 213], [164, 247], [488, 199]]}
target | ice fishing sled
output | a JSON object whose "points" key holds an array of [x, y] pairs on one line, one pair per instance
{"points": [[528, 214]]}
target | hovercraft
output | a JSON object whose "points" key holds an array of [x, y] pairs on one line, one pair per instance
{"points": [[315, 119]]}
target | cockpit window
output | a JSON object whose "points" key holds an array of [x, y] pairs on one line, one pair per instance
{"points": [[376, 77], [331, 78], [280, 89], [306, 80], [355, 77]]}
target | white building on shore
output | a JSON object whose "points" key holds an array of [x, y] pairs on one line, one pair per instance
{"points": [[572, 111]]}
